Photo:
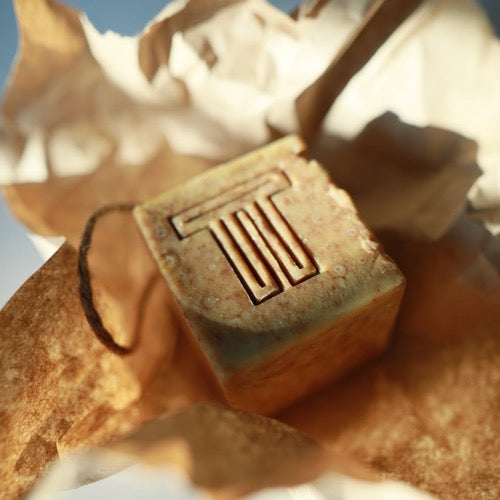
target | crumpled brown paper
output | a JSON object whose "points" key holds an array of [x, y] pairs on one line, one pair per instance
{"points": [[91, 119], [427, 411], [228, 453], [69, 377]]}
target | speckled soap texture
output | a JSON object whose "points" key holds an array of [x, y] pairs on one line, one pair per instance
{"points": [[278, 282]]}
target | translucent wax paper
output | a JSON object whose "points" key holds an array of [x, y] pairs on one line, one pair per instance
{"points": [[91, 119]]}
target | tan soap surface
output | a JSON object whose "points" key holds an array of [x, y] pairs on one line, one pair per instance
{"points": [[278, 281]]}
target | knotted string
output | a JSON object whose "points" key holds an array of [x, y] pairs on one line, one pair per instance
{"points": [[86, 293]]}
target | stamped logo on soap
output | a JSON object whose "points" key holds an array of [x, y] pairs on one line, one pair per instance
{"points": [[260, 245]]}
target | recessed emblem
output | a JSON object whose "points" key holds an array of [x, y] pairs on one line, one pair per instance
{"points": [[260, 245]]}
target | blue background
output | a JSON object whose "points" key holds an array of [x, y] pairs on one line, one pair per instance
{"points": [[127, 17]]}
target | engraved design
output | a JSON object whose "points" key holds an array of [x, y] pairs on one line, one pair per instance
{"points": [[260, 245]]}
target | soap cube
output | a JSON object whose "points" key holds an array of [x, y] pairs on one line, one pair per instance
{"points": [[278, 282]]}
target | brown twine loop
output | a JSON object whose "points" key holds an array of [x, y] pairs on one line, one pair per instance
{"points": [[86, 293]]}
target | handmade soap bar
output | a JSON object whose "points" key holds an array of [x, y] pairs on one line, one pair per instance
{"points": [[278, 281]]}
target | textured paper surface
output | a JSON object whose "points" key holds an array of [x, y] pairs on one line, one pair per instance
{"points": [[230, 453], [91, 119]]}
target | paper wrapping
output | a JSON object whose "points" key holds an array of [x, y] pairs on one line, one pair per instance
{"points": [[92, 119]]}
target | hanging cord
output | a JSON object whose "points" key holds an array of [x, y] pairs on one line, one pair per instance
{"points": [[86, 292]]}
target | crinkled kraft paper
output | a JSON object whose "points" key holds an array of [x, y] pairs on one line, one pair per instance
{"points": [[91, 119]]}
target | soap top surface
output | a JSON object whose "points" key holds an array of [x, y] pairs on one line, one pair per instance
{"points": [[263, 250]]}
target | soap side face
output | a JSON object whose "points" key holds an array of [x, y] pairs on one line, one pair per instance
{"points": [[275, 273]]}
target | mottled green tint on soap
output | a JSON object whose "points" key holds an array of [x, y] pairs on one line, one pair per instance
{"points": [[278, 282]]}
